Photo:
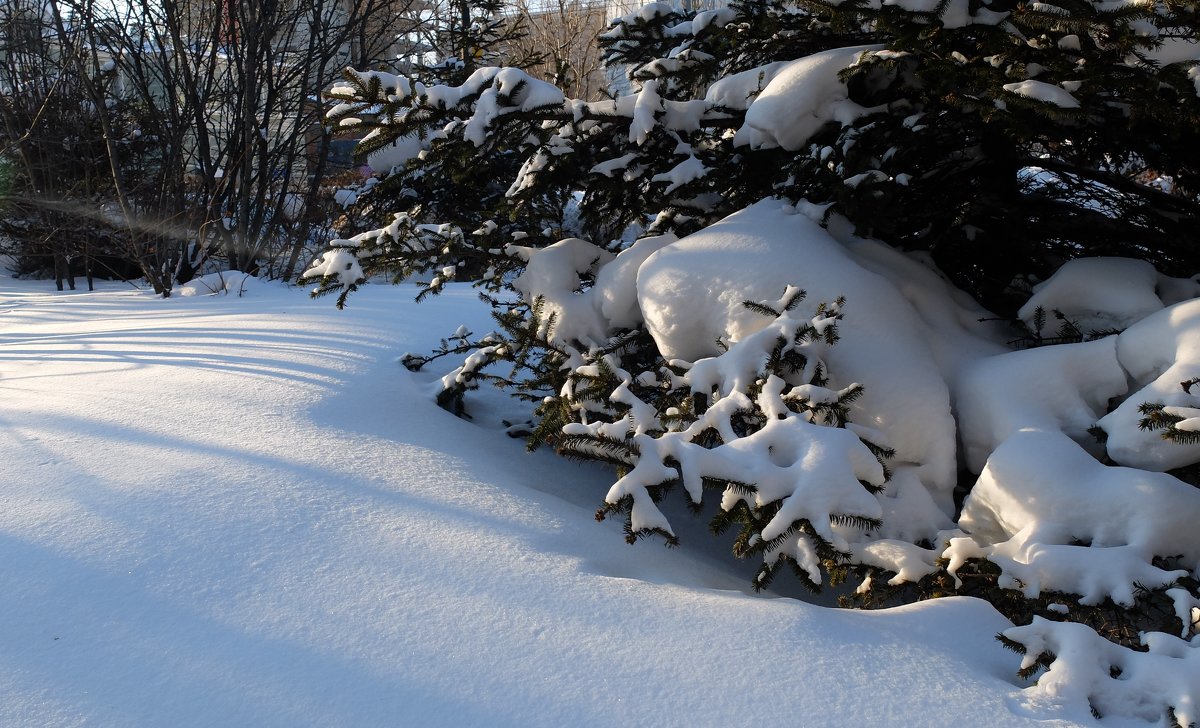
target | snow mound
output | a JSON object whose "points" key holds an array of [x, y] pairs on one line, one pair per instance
{"points": [[800, 98], [1160, 353], [227, 282], [1099, 294], [1065, 387], [692, 292], [1041, 496], [1089, 672]]}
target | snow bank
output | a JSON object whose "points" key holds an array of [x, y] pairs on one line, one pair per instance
{"points": [[317, 544]]}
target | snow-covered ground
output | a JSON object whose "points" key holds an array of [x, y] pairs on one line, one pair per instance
{"points": [[240, 510]]}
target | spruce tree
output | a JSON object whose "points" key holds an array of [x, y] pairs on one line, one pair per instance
{"points": [[454, 180], [1001, 138]]}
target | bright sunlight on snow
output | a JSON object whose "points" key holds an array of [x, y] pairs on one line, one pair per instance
{"points": [[241, 510]]}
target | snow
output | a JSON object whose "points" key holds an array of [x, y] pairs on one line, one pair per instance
{"points": [[616, 283], [736, 90], [1118, 680], [1056, 388], [951, 14], [1099, 294], [1028, 511], [552, 275], [689, 170], [647, 107], [226, 282], [799, 99], [1160, 353], [1045, 92], [396, 154], [691, 295], [239, 510], [494, 92]]}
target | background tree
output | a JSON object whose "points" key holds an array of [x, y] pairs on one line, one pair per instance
{"points": [[208, 119], [566, 32], [55, 165], [438, 172]]}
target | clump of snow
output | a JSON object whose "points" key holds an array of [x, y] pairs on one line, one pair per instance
{"points": [[396, 154], [1160, 353], [644, 14], [616, 284], [1098, 294], [1041, 495], [737, 90], [341, 263], [1045, 92], [225, 282], [1090, 673], [1055, 388], [647, 107], [691, 296], [689, 170], [718, 18], [552, 275], [801, 98]]}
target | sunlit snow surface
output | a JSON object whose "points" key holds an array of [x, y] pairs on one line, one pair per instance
{"points": [[240, 510]]}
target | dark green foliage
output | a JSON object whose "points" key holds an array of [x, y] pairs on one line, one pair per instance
{"points": [[1155, 417], [455, 181], [1000, 184], [679, 406]]}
